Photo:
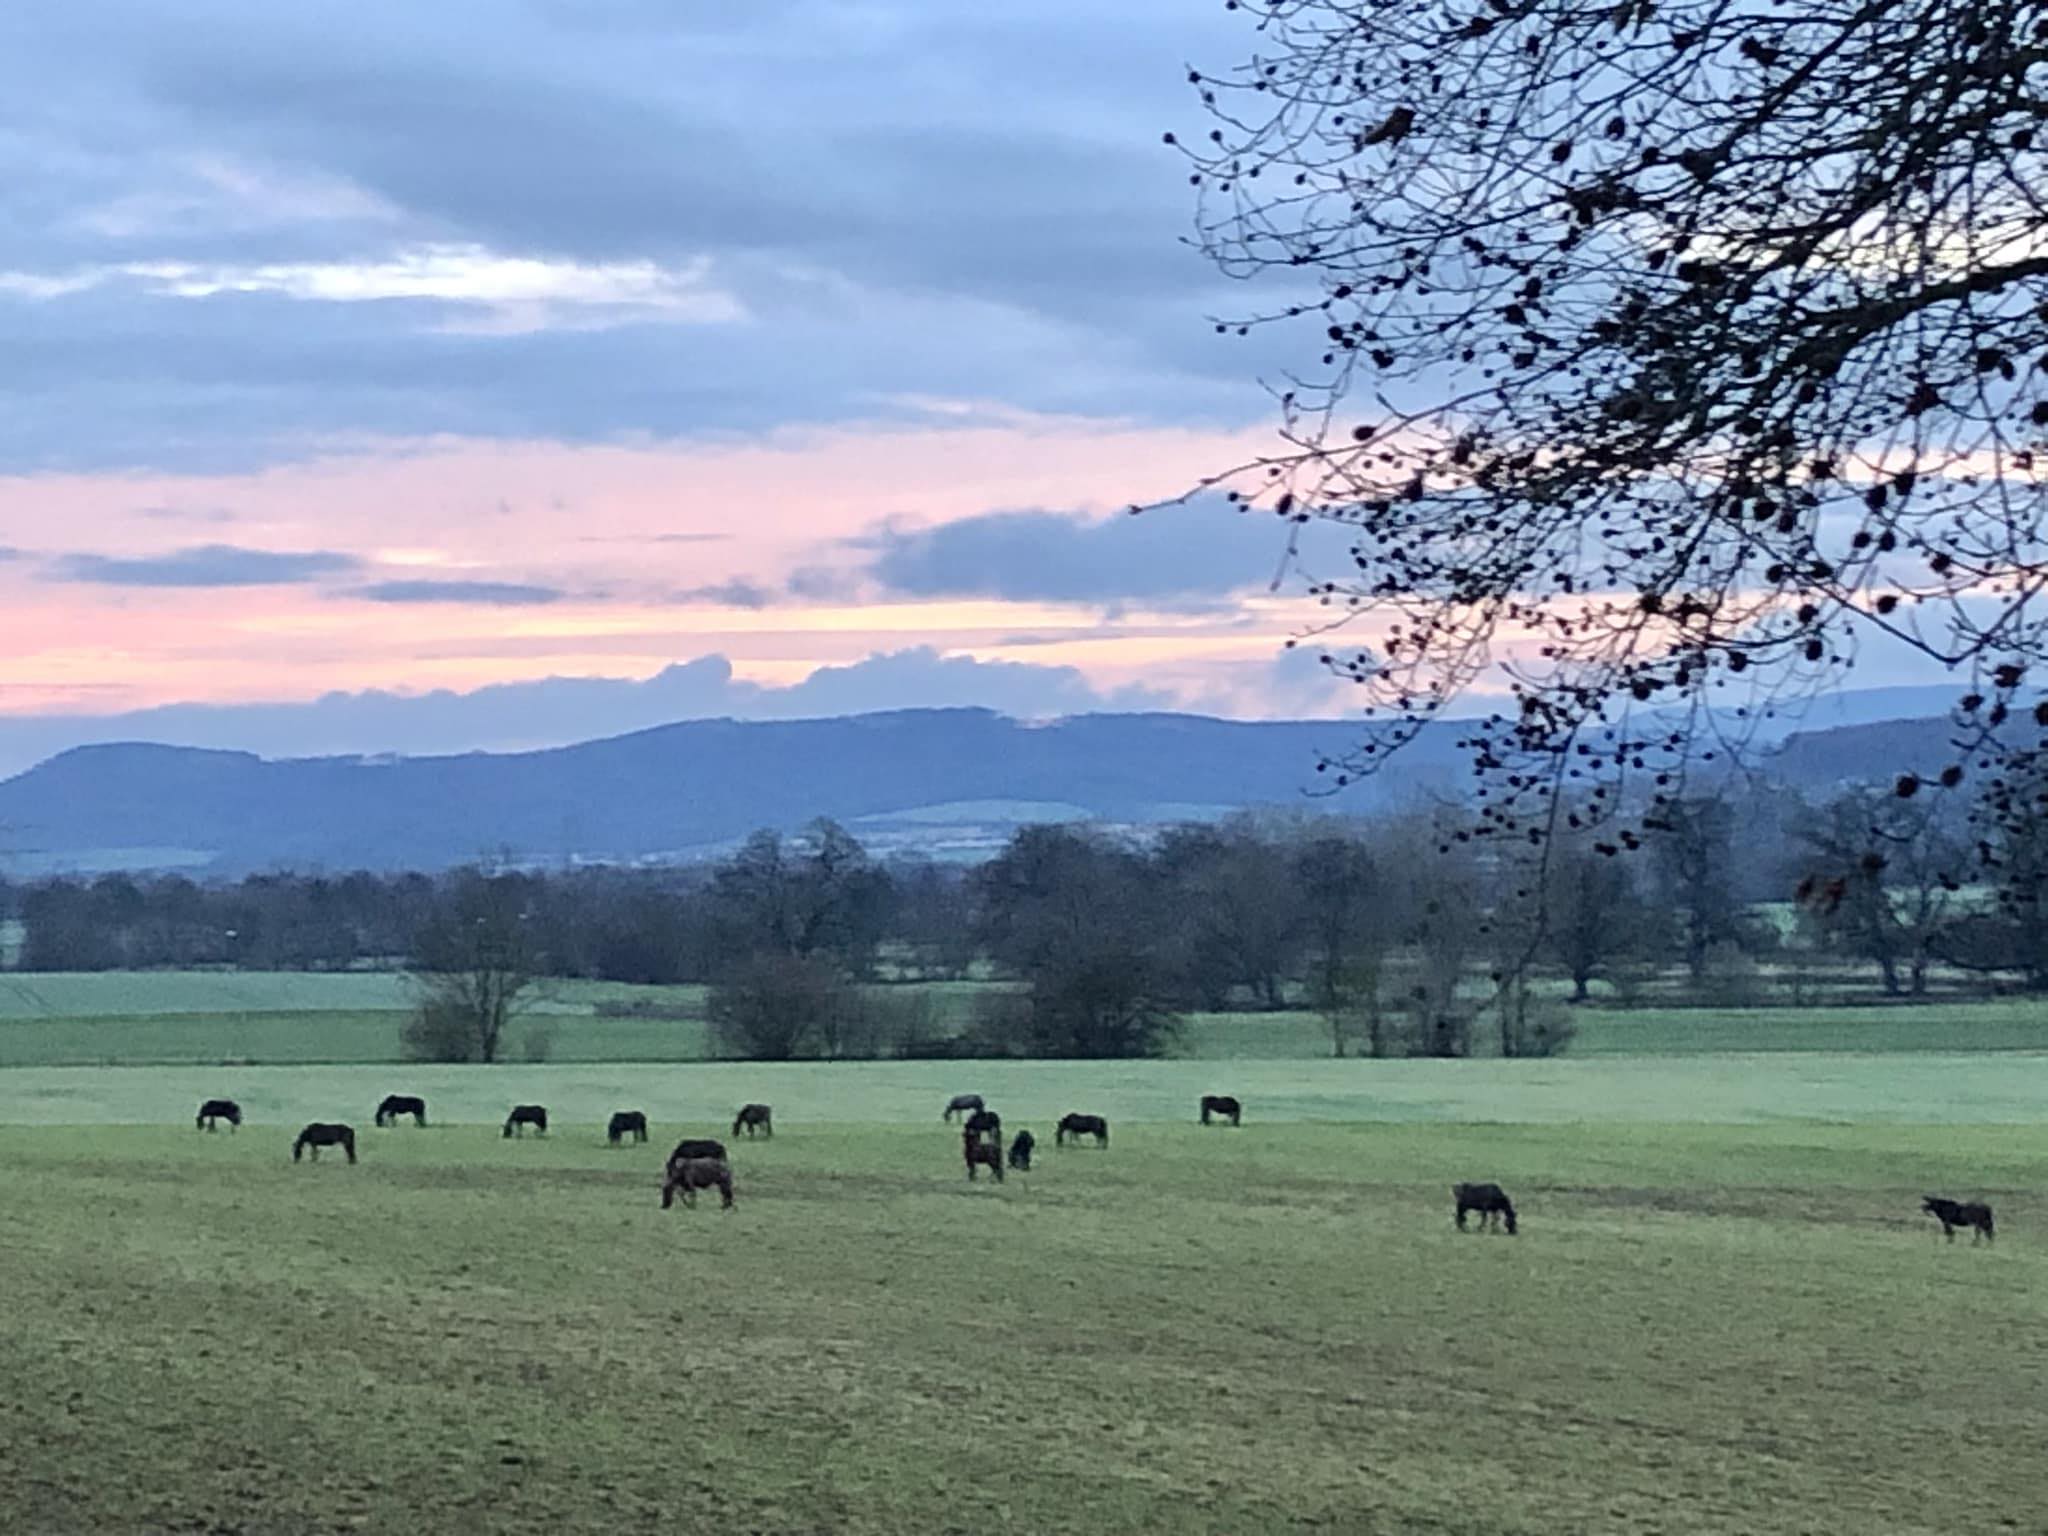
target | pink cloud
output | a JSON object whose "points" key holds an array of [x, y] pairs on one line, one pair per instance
{"points": [[618, 530]]}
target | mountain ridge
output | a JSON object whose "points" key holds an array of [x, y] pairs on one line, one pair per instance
{"points": [[953, 782]]}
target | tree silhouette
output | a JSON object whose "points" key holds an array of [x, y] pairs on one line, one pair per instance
{"points": [[1654, 353]]}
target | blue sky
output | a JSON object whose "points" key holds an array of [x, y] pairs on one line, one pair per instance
{"points": [[789, 357]]}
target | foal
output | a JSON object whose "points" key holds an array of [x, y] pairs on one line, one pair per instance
{"points": [[1020, 1151]]}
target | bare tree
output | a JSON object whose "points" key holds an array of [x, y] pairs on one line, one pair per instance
{"points": [[1345, 895], [1652, 351], [474, 962], [1879, 874], [774, 1006], [1693, 844]]}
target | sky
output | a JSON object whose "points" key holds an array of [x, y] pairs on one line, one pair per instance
{"points": [[398, 377]]}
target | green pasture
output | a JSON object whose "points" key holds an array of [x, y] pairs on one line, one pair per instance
{"points": [[1701, 1328], [1928, 1088], [140, 1018]]}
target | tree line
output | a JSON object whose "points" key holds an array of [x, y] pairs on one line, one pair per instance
{"points": [[1401, 935]]}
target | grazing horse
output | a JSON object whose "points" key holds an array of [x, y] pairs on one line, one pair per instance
{"points": [[214, 1110], [318, 1135], [1961, 1213], [961, 1104], [524, 1115], [754, 1118], [983, 1152], [401, 1104], [692, 1147], [1221, 1104], [1489, 1201], [627, 1122], [1078, 1126], [1020, 1151], [686, 1175]]}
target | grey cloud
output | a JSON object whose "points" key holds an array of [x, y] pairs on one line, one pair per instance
{"points": [[1170, 554], [935, 241], [492, 594], [205, 565], [739, 593], [823, 584], [558, 710], [173, 514]]}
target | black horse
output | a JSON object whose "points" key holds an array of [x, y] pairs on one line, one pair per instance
{"points": [[1490, 1201], [524, 1115], [986, 1123], [1020, 1151], [401, 1104], [754, 1118], [983, 1152], [627, 1122], [1221, 1104], [1078, 1126], [318, 1135], [1961, 1213], [961, 1104], [697, 1147], [214, 1110], [686, 1175]]}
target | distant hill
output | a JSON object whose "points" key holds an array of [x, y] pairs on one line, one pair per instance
{"points": [[955, 781], [952, 782]]}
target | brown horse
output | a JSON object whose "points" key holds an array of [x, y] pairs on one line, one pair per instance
{"points": [[983, 1152], [215, 1110], [1221, 1104], [754, 1118], [1961, 1213], [319, 1134], [687, 1175], [1078, 1126], [1489, 1201]]}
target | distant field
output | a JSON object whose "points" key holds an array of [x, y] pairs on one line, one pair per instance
{"points": [[1976, 1088], [1700, 1329], [138, 1018]]}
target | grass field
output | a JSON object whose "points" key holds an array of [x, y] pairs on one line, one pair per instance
{"points": [[1702, 1328], [141, 1018], [1975, 1088]]}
